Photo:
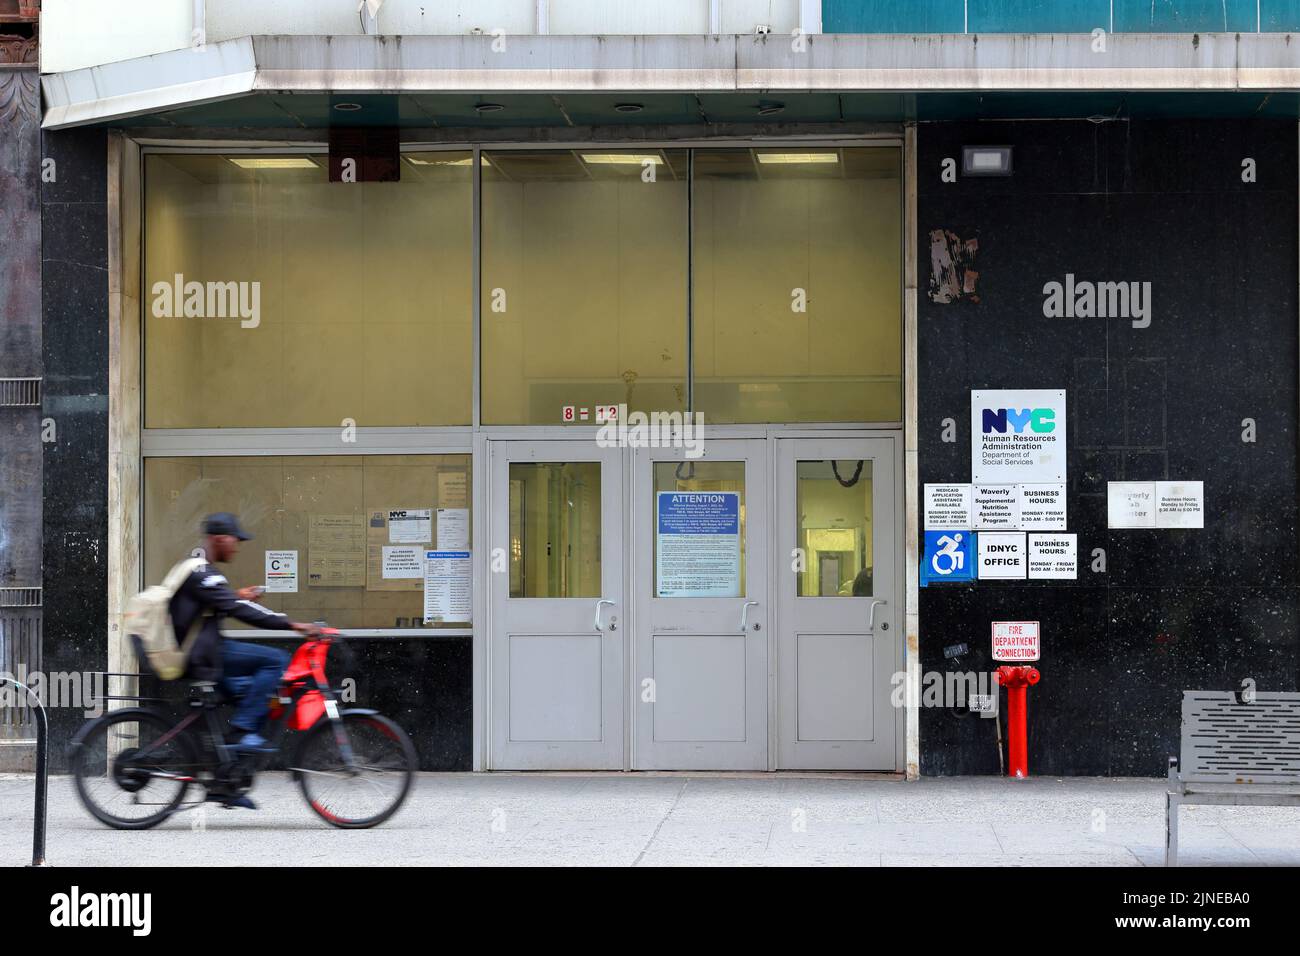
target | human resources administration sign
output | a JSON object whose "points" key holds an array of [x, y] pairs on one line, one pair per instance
{"points": [[1017, 435]]}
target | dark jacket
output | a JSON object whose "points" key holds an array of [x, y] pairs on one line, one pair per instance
{"points": [[207, 592]]}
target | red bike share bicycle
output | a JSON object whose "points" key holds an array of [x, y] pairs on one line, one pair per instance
{"points": [[133, 767]]}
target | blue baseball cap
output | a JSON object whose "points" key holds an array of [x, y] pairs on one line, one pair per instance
{"points": [[223, 522]]}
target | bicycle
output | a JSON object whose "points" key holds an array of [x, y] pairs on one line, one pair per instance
{"points": [[125, 754]]}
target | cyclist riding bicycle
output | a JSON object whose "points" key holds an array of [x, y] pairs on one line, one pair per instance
{"points": [[245, 672]]}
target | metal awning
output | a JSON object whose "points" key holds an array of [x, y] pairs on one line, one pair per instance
{"points": [[265, 72]]}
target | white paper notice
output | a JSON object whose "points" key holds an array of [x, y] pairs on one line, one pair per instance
{"points": [[1180, 504], [1042, 507], [1001, 555], [411, 526], [948, 506], [448, 586], [282, 572], [1054, 556], [1130, 504], [997, 507], [453, 528], [403, 561]]}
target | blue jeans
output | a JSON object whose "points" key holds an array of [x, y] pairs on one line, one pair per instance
{"points": [[250, 674]]}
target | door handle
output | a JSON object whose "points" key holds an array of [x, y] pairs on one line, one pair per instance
{"points": [[596, 623], [744, 612], [871, 614]]}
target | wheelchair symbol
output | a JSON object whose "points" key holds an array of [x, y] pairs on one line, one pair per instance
{"points": [[949, 557]]}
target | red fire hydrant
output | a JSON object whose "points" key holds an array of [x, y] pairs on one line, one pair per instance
{"points": [[1017, 680]]}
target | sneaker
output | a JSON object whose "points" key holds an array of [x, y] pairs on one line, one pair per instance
{"points": [[231, 802], [252, 744]]}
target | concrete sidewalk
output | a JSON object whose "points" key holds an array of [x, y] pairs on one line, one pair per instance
{"points": [[672, 819]]}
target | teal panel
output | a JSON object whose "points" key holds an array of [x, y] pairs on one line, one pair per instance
{"points": [[1037, 16], [1184, 16], [893, 16], [1279, 16]]}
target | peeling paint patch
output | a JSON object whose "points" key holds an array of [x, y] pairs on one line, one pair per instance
{"points": [[952, 272]]}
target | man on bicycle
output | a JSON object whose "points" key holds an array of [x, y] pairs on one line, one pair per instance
{"points": [[244, 671]]}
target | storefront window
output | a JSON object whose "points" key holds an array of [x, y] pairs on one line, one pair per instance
{"points": [[798, 285], [584, 283], [341, 538], [274, 298]]}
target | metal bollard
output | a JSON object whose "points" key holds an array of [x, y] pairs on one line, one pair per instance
{"points": [[42, 774]]}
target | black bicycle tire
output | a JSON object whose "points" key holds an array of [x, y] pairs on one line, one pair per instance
{"points": [[408, 754], [101, 724]]}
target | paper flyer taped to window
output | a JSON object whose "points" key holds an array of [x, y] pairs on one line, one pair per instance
{"points": [[448, 587], [453, 528], [410, 526], [403, 562]]}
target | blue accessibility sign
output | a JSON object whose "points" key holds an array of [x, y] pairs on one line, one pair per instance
{"points": [[949, 556]]}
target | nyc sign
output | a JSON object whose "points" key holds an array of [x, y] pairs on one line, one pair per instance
{"points": [[1017, 436]]}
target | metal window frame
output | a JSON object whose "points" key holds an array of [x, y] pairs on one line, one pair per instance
{"points": [[473, 439]]}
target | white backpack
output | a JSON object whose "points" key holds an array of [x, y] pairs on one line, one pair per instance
{"points": [[148, 619]]}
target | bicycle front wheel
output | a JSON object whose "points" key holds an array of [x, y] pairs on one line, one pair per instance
{"points": [[366, 792], [132, 770]]}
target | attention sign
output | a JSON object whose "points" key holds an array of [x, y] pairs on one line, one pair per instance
{"points": [[1016, 641]]}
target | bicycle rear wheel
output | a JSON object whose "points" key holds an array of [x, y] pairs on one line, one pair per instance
{"points": [[373, 788], [131, 770]]}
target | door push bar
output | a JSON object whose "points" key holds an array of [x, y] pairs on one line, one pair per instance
{"points": [[744, 614], [596, 622]]}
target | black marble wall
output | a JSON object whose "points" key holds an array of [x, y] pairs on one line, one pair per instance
{"points": [[74, 280], [1157, 201]]}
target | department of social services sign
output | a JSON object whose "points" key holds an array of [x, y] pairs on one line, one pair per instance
{"points": [[1017, 435]]}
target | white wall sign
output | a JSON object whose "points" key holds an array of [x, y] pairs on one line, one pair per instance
{"points": [[1054, 556], [1016, 641], [1130, 504], [948, 506], [1017, 435], [1180, 504], [1001, 555], [282, 572], [1042, 507], [997, 507], [448, 586]]}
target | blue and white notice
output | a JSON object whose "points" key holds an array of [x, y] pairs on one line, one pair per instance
{"points": [[697, 544]]}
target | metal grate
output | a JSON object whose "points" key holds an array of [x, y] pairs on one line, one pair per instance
{"points": [[20, 655], [20, 392], [20, 597], [1229, 742]]}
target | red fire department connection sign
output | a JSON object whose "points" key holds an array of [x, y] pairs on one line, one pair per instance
{"points": [[1016, 641]]}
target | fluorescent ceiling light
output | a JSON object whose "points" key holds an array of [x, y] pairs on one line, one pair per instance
{"points": [[273, 162], [798, 158], [622, 159], [464, 161]]}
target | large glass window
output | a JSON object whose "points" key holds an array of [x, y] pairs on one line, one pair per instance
{"points": [[584, 283], [798, 285], [353, 529], [274, 298]]}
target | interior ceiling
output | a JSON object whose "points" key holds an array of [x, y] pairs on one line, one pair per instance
{"points": [[431, 110]]}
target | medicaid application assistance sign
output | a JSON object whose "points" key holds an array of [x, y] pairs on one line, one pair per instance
{"points": [[1017, 435]]}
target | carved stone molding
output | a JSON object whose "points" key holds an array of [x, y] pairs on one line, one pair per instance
{"points": [[17, 49], [17, 94]]}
